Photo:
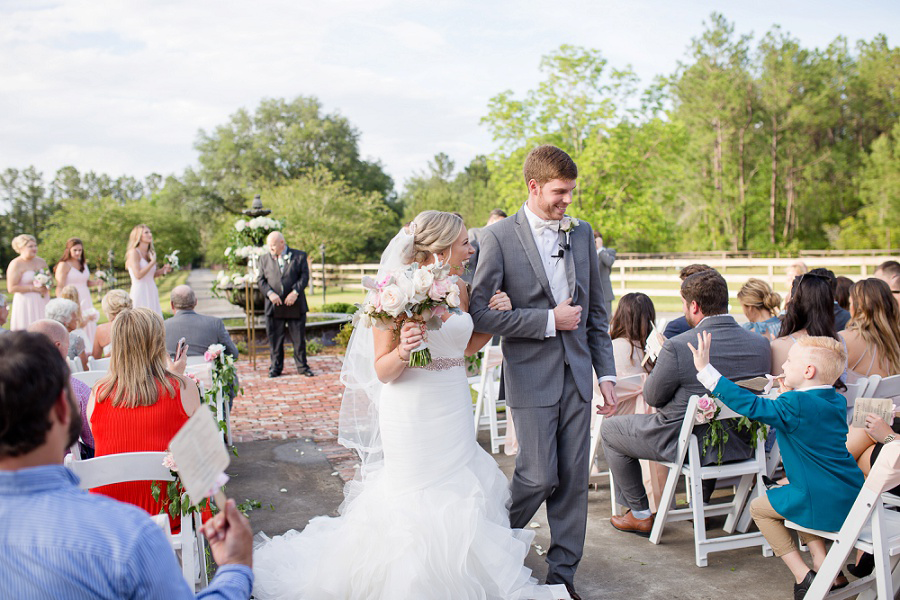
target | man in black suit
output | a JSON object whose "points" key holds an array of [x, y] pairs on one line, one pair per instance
{"points": [[283, 275]]}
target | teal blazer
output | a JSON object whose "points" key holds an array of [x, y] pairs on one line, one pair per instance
{"points": [[812, 435]]}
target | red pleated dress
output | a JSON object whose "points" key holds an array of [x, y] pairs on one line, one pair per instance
{"points": [[119, 429]]}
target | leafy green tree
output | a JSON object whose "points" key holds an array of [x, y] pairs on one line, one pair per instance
{"points": [[281, 141], [104, 224]]}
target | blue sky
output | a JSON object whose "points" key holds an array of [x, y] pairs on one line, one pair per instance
{"points": [[123, 87]]}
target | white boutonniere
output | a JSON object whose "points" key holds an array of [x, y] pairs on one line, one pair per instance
{"points": [[567, 224]]}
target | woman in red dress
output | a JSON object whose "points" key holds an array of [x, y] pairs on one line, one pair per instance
{"points": [[142, 402]]}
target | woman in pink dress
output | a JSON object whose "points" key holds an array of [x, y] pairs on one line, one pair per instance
{"points": [[72, 270], [140, 259], [29, 299]]}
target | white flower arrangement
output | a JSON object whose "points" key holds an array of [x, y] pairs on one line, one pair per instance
{"points": [[172, 260], [43, 278], [247, 251], [263, 223]]}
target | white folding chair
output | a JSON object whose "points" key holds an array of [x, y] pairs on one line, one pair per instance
{"points": [[487, 401], [883, 387], [147, 466], [595, 447], [870, 528], [748, 471], [854, 391], [89, 378], [195, 360], [75, 365], [98, 364]]}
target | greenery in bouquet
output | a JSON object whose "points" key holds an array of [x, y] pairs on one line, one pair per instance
{"points": [[418, 293]]}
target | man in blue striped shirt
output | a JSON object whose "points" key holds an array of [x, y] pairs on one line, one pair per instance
{"points": [[57, 541]]}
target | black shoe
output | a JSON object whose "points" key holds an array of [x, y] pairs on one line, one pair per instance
{"points": [[801, 588], [274, 374], [572, 593], [843, 584], [863, 567], [307, 372], [769, 483]]}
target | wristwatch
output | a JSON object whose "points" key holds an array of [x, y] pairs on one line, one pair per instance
{"points": [[889, 439]]}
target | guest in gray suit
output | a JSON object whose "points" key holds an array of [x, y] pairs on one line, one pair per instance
{"points": [[554, 336], [199, 331], [605, 258], [740, 354], [496, 216]]}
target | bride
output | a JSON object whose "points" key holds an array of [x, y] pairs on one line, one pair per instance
{"points": [[426, 517]]}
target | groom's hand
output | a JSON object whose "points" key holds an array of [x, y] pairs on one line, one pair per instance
{"points": [[567, 317], [608, 391]]}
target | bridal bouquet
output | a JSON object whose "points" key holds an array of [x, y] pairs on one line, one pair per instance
{"points": [[43, 278], [172, 260], [417, 293]]}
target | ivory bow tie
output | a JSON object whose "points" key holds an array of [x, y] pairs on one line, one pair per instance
{"points": [[540, 226]]}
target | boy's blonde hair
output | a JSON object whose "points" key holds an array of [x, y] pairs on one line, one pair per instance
{"points": [[826, 354]]}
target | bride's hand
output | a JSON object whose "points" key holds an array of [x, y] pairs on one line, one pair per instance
{"points": [[411, 335], [500, 301]]}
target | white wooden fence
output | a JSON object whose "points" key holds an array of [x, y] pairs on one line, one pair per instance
{"points": [[659, 276]]}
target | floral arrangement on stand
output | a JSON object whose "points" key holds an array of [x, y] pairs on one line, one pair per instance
{"points": [[246, 243], [414, 293], [716, 435]]}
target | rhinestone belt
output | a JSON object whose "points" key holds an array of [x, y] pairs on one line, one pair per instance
{"points": [[442, 364]]}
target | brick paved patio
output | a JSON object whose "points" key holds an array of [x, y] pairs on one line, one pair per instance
{"points": [[293, 406]]}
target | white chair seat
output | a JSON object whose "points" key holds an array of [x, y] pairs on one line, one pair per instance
{"points": [[98, 364], [89, 378]]}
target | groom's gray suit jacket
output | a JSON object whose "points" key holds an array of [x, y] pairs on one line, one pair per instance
{"points": [[509, 261]]}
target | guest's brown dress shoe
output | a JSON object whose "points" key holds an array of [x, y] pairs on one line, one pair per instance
{"points": [[628, 522]]}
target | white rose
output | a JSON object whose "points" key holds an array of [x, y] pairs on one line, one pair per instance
{"points": [[393, 300], [365, 320], [422, 280], [227, 250], [404, 282], [453, 297], [240, 225]]}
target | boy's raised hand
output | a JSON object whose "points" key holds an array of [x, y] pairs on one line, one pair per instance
{"points": [[701, 352]]}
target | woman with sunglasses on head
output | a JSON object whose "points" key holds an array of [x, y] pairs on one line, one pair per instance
{"points": [[809, 312]]}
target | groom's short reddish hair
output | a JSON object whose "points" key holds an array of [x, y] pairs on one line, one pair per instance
{"points": [[546, 163]]}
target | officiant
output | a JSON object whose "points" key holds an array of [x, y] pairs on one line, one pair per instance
{"points": [[283, 276]]}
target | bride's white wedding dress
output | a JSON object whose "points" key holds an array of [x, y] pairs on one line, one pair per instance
{"points": [[432, 523]]}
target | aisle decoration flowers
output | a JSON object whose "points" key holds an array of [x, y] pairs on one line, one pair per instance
{"points": [[717, 435], [416, 293], [223, 373]]}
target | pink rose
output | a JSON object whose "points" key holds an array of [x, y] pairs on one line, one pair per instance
{"points": [[438, 290]]}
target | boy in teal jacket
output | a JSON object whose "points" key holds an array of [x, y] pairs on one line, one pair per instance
{"points": [[811, 420]]}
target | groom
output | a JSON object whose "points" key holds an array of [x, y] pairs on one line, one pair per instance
{"points": [[552, 338]]}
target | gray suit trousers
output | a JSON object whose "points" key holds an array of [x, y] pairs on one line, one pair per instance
{"points": [[552, 465], [625, 442]]}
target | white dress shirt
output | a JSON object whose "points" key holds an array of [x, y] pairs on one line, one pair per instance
{"points": [[547, 242]]}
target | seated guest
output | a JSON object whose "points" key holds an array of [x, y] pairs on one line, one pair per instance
{"points": [[810, 312], [4, 313], [58, 541], [841, 315], [872, 336], [66, 312], [760, 305], [629, 329], [114, 302], [739, 354], [842, 287], [199, 331], [680, 325], [631, 326], [141, 403], [59, 336], [70, 292], [889, 272], [810, 418], [793, 271]]}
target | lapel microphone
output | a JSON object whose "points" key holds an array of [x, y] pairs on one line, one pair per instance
{"points": [[561, 251]]}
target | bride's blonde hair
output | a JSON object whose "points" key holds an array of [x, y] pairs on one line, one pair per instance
{"points": [[433, 232]]}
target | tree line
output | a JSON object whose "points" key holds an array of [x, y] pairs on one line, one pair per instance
{"points": [[751, 144]]}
